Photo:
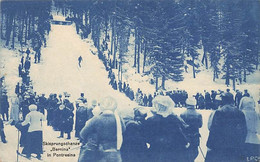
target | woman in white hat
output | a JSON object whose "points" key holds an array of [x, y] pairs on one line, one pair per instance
{"points": [[34, 136], [252, 146], [164, 133]]}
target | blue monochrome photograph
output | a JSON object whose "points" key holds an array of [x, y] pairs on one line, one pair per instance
{"points": [[130, 80]]}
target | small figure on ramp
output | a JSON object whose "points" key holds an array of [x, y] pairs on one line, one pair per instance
{"points": [[80, 60]]}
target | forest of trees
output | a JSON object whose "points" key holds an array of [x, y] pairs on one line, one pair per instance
{"points": [[25, 24], [167, 34]]}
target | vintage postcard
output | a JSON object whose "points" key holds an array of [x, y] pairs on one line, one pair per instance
{"points": [[129, 80]]}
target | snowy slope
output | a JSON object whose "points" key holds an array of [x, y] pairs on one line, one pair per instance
{"points": [[59, 72]]}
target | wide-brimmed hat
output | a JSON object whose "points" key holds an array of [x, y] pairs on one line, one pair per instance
{"points": [[163, 105], [191, 102], [247, 103], [108, 103]]}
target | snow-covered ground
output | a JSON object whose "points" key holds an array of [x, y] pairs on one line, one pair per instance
{"points": [[59, 72]]}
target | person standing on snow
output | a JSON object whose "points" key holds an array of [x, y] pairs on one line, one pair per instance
{"points": [[238, 97], [227, 132], [2, 133], [108, 128], [81, 99], [15, 109], [80, 59], [27, 52], [164, 133], [194, 120], [65, 119], [4, 107], [252, 144], [134, 148], [34, 135], [81, 118], [67, 103]]}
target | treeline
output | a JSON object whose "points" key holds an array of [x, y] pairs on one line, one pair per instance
{"points": [[25, 23], [168, 35]]}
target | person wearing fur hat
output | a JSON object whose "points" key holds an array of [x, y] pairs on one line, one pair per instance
{"points": [[194, 120], [34, 136], [108, 128], [164, 133], [252, 144], [227, 132]]}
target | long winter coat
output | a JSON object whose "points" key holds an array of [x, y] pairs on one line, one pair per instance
{"points": [[247, 105], [81, 118], [15, 109], [134, 145], [166, 138], [34, 119], [4, 104], [227, 135], [65, 120], [104, 126], [194, 120]]}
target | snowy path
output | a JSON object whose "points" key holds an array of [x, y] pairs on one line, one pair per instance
{"points": [[59, 72]]}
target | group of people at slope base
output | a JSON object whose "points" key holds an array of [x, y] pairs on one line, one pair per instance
{"points": [[155, 134]]}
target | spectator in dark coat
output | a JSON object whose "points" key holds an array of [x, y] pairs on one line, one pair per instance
{"points": [[81, 99], [27, 64], [2, 133], [164, 133], [230, 94], [134, 147], [42, 103], [145, 100], [27, 52], [213, 99], [20, 70], [246, 94], [4, 106], [67, 103], [22, 61], [150, 99], [207, 100], [197, 100], [25, 105], [81, 118], [65, 124], [238, 97], [201, 101], [228, 131], [194, 120], [89, 148], [52, 106]]}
